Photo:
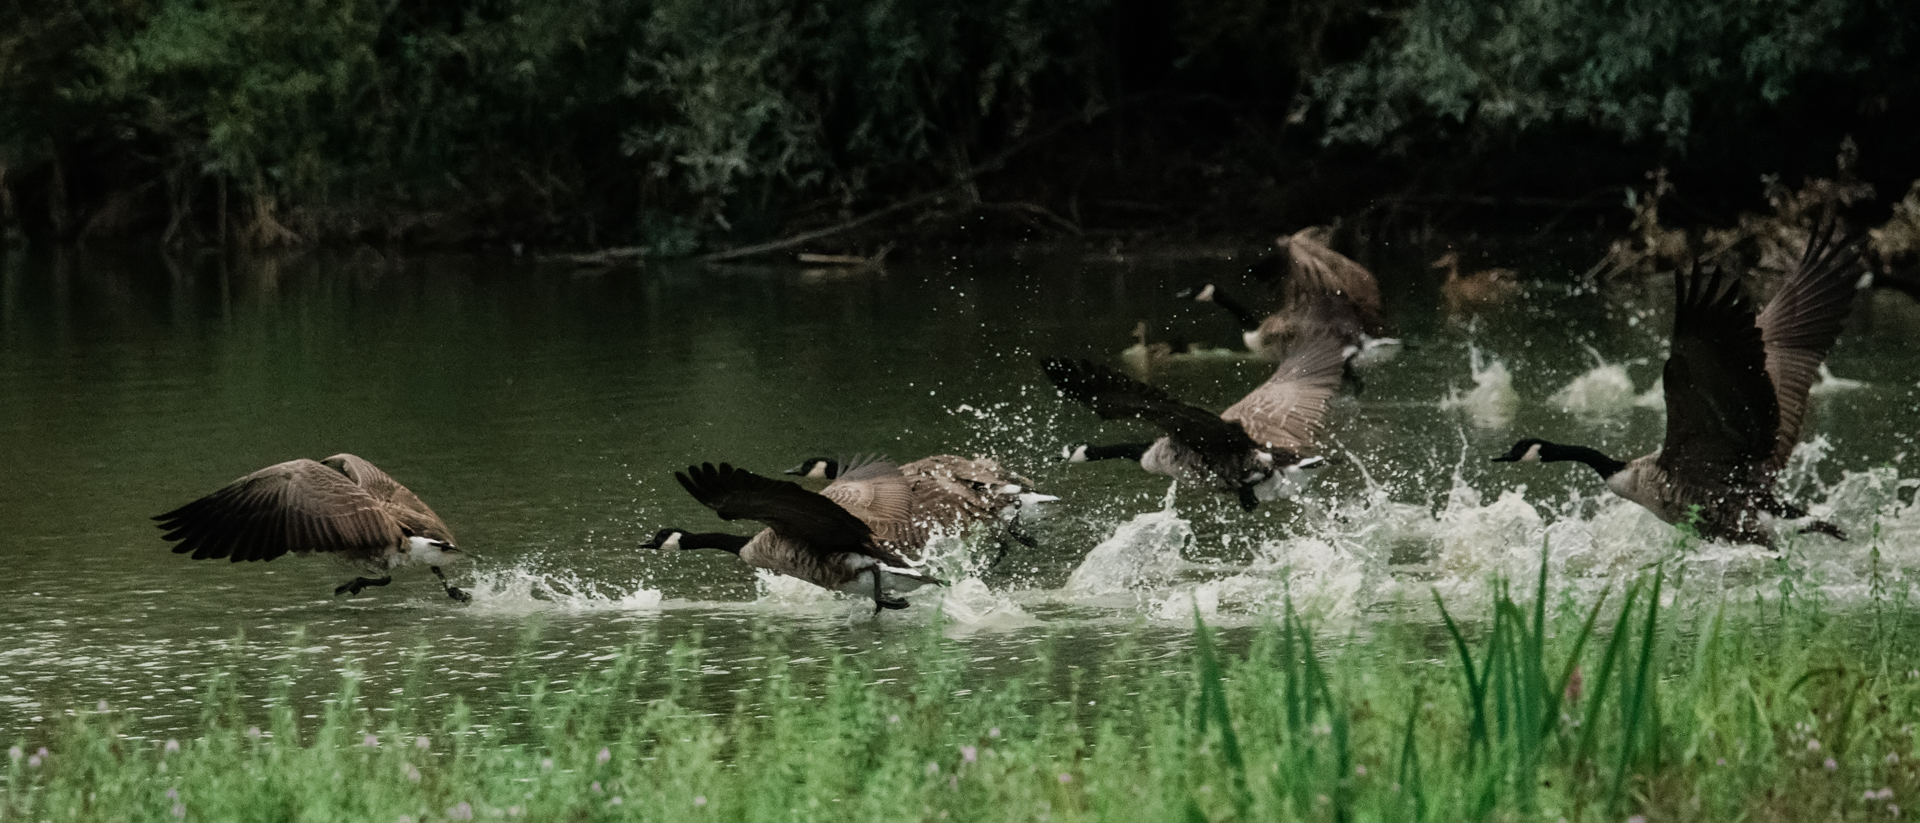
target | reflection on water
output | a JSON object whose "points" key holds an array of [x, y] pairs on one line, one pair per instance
{"points": [[541, 410]]}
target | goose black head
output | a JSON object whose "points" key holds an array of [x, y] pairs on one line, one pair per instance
{"points": [[817, 468], [665, 539], [1525, 451]]}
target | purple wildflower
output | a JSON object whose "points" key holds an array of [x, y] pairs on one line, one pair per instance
{"points": [[969, 754], [460, 811], [172, 746], [604, 756]]}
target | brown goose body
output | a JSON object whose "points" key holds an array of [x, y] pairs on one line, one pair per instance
{"points": [[1257, 449], [1464, 293], [948, 493], [342, 506], [1736, 388], [840, 538]]}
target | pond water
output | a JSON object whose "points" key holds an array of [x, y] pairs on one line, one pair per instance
{"points": [[541, 409]]}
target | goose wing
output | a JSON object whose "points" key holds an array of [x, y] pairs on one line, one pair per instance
{"points": [[1800, 326], [1287, 410], [1315, 270], [1721, 412], [810, 519], [1115, 396], [413, 514], [298, 506], [880, 495]]}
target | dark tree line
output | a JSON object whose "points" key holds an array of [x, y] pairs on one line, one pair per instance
{"points": [[682, 125]]}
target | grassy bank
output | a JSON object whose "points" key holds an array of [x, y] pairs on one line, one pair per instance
{"points": [[1526, 707]]}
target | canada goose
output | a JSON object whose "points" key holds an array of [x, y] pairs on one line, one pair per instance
{"points": [[952, 492], [1255, 449], [1274, 336], [836, 539], [341, 505], [1736, 394], [1466, 292]]}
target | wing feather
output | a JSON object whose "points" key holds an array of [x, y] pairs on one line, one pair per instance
{"points": [[1115, 396], [1721, 411], [1316, 270], [298, 506], [413, 514], [877, 493], [1288, 409], [1800, 325], [804, 517]]}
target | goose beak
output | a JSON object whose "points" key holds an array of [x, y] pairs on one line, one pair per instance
{"points": [[797, 470]]}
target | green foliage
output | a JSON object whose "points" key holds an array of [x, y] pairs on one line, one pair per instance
{"points": [[1521, 718], [1638, 69]]}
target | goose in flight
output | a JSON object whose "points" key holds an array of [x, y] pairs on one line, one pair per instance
{"points": [[343, 505], [1736, 394], [1256, 450], [844, 538], [953, 493]]}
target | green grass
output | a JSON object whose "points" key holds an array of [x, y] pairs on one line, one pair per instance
{"points": [[1646, 703]]}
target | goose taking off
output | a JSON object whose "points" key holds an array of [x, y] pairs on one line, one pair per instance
{"points": [[1321, 291], [342, 505], [836, 539], [1256, 449], [1307, 268], [952, 492], [1736, 394]]}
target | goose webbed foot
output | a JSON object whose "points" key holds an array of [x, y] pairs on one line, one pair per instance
{"points": [[880, 600], [1248, 500], [453, 592], [888, 603], [353, 587]]}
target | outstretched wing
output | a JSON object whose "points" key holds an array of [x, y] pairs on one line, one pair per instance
{"points": [[413, 513], [1115, 396], [1314, 270], [791, 511], [881, 496], [1721, 412], [1287, 410], [298, 506], [1800, 326]]}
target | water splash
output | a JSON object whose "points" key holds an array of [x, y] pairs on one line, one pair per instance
{"points": [[521, 589], [1492, 402], [1829, 384], [1141, 553]]}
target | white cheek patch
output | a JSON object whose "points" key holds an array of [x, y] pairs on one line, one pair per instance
{"points": [[1074, 454], [818, 472], [672, 542], [1206, 294], [1251, 339], [1532, 455]]}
